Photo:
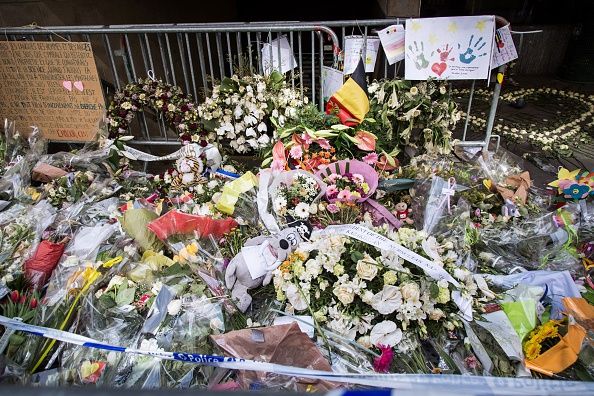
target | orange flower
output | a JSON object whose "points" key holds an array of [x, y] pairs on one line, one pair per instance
{"points": [[365, 140]]}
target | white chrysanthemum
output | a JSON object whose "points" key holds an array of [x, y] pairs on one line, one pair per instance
{"points": [[302, 210]]}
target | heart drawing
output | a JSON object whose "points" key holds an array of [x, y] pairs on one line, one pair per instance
{"points": [[67, 84], [439, 68]]}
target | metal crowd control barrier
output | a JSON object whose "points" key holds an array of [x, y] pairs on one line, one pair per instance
{"points": [[195, 56]]}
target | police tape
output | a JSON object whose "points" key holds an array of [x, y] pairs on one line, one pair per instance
{"points": [[418, 382]]}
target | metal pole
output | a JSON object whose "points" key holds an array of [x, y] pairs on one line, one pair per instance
{"points": [[468, 110]]}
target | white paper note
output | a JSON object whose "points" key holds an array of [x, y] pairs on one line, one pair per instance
{"points": [[306, 323], [270, 58], [504, 49], [332, 80], [392, 39], [258, 259], [452, 48], [353, 50]]}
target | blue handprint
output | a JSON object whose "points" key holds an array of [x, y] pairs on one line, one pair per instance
{"points": [[468, 56]]}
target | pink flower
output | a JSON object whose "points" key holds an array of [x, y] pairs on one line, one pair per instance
{"points": [[357, 178], [296, 152], [333, 208], [306, 139], [331, 190], [370, 158], [365, 140], [323, 143], [344, 195], [382, 364], [278, 154]]}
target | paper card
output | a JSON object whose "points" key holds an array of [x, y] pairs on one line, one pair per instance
{"points": [[270, 58], [353, 50], [392, 39], [258, 259], [502, 330], [504, 49], [452, 48], [332, 80], [305, 323], [51, 85]]}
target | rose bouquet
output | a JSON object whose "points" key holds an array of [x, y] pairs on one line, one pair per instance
{"points": [[241, 108], [374, 296]]}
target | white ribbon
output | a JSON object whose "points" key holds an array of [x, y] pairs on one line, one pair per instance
{"points": [[372, 238]]}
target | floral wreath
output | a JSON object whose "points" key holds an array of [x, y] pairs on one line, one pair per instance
{"points": [[178, 110]]}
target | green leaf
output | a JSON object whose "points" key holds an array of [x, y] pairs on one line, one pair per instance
{"points": [[372, 120], [339, 127], [356, 256], [125, 296], [434, 290], [229, 85], [176, 269]]}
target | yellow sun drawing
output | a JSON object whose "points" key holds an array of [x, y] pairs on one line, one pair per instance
{"points": [[452, 27], [433, 39], [480, 25], [416, 26]]}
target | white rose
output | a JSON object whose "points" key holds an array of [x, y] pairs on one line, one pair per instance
{"points": [[367, 268], [295, 298], [212, 184], [365, 342], [367, 297], [344, 293], [436, 314], [385, 333], [174, 307], [410, 292]]}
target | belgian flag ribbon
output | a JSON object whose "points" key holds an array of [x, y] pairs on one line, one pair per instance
{"points": [[351, 99]]}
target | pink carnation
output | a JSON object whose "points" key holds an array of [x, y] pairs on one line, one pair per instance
{"points": [[382, 364], [333, 208], [324, 143], [296, 152], [371, 158]]}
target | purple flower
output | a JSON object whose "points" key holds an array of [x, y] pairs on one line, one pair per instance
{"points": [[333, 208]]}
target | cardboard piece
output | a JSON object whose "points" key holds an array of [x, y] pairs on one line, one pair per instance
{"points": [[46, 173], [52, 85], [284, 344]]}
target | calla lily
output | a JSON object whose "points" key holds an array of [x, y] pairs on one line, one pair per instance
{"points": [[387, 162], [365, 140]]}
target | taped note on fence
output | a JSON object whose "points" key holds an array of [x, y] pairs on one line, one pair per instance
{"points": [[353, 51], [332, 80], [270, 56], [504, 49], [392, 39], [372, 238]]}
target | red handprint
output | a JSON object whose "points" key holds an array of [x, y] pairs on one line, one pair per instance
{"points": [[445, 53]]}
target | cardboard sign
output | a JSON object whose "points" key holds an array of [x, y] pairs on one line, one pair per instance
{"points": [[452, 48], [52, 85]]}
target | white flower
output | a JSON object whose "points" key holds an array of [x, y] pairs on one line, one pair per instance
{"points": [[365, 342], [250, 132], [216, 324], [115, 281], [174, 307], [295, 298], [156, 288], [279, 204], [262, 127], [436, 314], [150, 345], [410, 292], [367, 267], [302, 210], [387, 301], [187, 178], [212, 184], [385, 333], [344, 292]]}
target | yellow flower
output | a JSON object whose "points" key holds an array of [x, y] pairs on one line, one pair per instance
{"points": [[532, 350]]}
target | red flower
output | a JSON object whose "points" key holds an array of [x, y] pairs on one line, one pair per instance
{"points": [[33, 303], [14, 295], [382, 364], [23, 299]]}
